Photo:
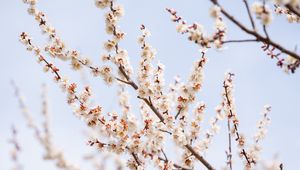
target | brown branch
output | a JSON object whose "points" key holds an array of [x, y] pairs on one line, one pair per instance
{"points": [[135, 157], [292, 9], [255, 34], [123, 81], [199, 157], [152, 108], [131, 83]]}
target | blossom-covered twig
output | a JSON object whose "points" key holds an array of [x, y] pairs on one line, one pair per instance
{"points": [[255, 149], [16, 149], [56, 47], [230, 111], [195, 31], [44, 138]]}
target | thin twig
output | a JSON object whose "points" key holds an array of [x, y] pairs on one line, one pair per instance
{"points": [[229, 154], [264, 26], [249, 14], [123, 81], [164, 155], [178, 113], [165, 131], [265, 31], [239, 41]]}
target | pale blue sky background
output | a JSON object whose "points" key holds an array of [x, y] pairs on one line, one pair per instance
{"points": [[258, 80]]}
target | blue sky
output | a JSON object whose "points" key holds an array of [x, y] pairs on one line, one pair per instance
{"points": [[258, 80]]}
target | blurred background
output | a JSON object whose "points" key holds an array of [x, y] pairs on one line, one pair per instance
{"points": [[80, 24]]}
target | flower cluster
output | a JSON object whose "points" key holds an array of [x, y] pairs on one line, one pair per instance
{"points": [[195, 31], [204, 144], [120, 58], [188, 91], [219, 35], [145, 74], [161, 99], [255, 149], [128, 116], [197, 120], [262, 12], [291, 17]]}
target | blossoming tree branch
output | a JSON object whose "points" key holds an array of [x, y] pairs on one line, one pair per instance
{"points": [[166, 112]]}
